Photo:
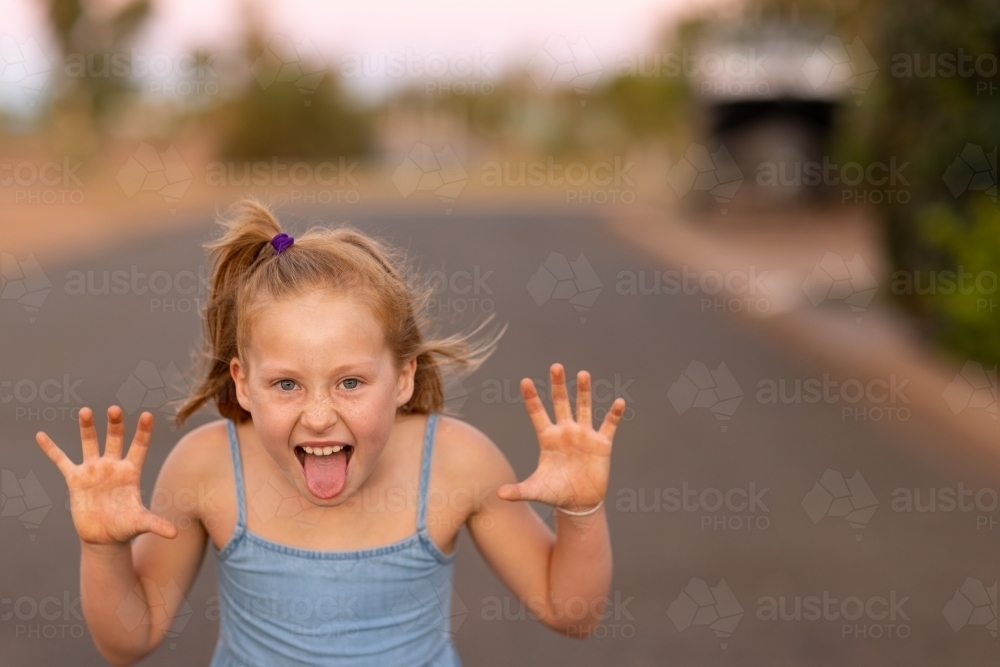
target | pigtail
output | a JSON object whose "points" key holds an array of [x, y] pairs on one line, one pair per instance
{"points": [[242, 247], [441, 361], [454, 356]]}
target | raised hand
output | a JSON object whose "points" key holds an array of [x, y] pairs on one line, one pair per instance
{"points": [[574, 461], [104, 490]]}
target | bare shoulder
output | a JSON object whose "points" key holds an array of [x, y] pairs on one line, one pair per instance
{"points": [[468, 456], [202, 455]]}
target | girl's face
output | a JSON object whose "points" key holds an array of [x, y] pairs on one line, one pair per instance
{"points": [[322, 389]]}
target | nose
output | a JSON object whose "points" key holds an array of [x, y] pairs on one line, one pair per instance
{"points": [[319, 414]]}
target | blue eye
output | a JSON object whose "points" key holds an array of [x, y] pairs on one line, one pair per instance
{"points": [[354, 380], [286, 385]]}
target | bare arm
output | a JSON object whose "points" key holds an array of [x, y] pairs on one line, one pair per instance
{"points": [[135, 565], [562, 578]]}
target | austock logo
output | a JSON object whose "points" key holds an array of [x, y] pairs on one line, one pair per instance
{"points": [[973, 387], [286, 60], [279, 498], [559, 62], [887, 397], [25, 282], [836, 280], [604, 392], [981, 503], [973, 604], [735, 509], [42, 181], [149, 170], [160, 74], [458, 73], [600, 182], [25, 499], [151, 388], [146, 604], [424, 170], [49, 399], [973, 170], [872, 612], [835, 63], [24, 64], [47, 617], [575, 612], [851, 499], [700, 604], [699, 387], [422, 605], [455, 391], [699, 170], [560, 279]]}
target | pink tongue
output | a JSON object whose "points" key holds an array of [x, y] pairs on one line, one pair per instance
{"points": [[326, 475]]}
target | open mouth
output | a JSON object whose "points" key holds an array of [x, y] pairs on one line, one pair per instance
{"points": [[322, 450], [325, 467]]}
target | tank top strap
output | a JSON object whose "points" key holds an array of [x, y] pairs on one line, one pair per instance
{"points": [[425, 470], [234, 448]]}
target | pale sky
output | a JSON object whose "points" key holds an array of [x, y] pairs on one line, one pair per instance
{"points": [[508, 32]]}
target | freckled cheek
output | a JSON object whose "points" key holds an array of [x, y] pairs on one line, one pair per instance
{"points": [[272, 418], [273, 433], [370, 423]]}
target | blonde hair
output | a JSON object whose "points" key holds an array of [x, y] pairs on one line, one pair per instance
{"points": [[245, 268]]}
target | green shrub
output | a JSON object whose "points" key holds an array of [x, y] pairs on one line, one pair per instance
{"points": [[927, 116]]}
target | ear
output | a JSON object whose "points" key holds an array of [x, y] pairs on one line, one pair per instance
{"points": [[238, 371], [405, 385]]}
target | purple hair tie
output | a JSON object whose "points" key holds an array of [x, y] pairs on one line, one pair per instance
{"points": [[281, 242]]}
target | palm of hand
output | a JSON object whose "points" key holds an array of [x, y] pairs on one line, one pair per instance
{"points": [[104, 490], [574, 460], [105, 500]]}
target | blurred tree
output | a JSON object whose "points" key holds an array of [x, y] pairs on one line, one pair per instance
{"points": [[276, 122], [934, 104], [937, 106], [646, 106], [639, 104], [627, 107], [91, 38], [292, 106], [63, 15]]}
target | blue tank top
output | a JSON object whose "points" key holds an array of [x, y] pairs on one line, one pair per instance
{"points": [[285, 606]]}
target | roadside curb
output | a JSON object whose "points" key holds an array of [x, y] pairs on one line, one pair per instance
{"points": [[831, 338]]}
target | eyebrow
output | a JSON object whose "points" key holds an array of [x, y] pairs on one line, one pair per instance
{"points": [[356, 366]]}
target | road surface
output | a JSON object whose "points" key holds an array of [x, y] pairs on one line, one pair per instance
{"points": [[731, 543]]}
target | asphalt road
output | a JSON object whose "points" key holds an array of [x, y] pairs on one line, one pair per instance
{"points": [[703, 575]]}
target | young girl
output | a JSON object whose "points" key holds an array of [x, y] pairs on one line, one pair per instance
{"points": [[313, 483]]}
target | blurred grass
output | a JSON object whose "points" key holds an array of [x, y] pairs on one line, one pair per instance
{"points": [[956, 240]]}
